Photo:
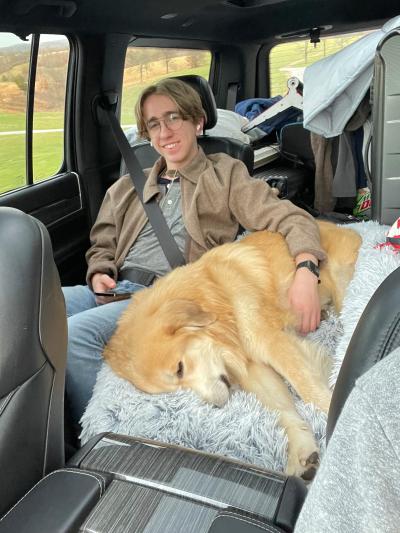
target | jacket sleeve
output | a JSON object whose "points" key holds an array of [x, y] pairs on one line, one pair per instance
{"points": [[103, 237], [256, 207]]}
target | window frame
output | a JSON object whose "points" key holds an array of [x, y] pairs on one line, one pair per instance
{"points": [[30, 107], [30, 113]]}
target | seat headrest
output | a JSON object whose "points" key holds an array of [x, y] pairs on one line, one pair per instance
{"points": [[202, 86]]}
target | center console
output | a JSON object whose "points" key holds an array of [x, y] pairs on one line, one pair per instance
{"points": [[152, 487]]}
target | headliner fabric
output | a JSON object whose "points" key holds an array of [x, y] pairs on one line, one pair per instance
{"points": [[243, 429], [335, 85]]}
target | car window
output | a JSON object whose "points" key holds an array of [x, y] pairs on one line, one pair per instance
{"points": [[291, 59], [145, 65], [31, 129]]}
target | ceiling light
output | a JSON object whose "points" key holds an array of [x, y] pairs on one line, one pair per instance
{"points": [[169, 16]]}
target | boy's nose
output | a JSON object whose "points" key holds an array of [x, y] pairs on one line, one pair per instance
{"points": [[164, 130]]}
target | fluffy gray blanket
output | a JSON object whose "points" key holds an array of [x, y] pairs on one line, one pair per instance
{"points": [[243, 429]]}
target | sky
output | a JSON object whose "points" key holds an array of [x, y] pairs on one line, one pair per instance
{"points": [[9, 39]]}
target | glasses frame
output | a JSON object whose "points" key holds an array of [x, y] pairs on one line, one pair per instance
{"points": [[157, 127]]}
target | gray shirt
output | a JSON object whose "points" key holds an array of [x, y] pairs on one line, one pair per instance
{"points": [[146, 252], [357, 488]]}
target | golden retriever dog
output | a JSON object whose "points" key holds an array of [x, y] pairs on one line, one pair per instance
{"points": [[225, 321]]}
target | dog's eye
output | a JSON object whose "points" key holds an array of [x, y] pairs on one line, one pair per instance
{"points": [[179, 372]]}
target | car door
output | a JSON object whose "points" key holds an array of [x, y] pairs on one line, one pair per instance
{"points": [[34, 175]]}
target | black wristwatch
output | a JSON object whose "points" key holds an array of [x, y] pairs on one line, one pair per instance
{"points": [[312, 267]]}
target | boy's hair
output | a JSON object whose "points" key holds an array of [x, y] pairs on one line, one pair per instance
{"points": [[187, 100]]}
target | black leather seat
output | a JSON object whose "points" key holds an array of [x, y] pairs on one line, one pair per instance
{"points": [[293, 172], [147, 155], [33, 340]]}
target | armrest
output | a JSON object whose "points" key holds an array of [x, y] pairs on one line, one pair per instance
{"points": [[59, 502]]}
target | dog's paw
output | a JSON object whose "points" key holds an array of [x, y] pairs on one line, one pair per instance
{"points": [[311, 466], [303, 461]]}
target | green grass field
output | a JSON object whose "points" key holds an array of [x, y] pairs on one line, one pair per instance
{"points": [[47, 148], [42, 121], [47, 158]]}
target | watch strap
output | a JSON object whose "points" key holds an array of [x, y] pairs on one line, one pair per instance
{"points": [[312, 267]]}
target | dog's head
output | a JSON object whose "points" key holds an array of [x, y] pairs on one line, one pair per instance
{"points": [[175, 345]]}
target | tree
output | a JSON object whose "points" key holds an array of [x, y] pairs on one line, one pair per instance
{"points": [[195, 59], [169, 53], [21, 82]]}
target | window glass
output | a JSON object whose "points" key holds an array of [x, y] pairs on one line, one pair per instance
{"points": [[290, 59], [48, 118], [144, 66], [14, 64]]}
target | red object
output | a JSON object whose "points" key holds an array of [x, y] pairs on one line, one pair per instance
{"points": [[392, 237]]}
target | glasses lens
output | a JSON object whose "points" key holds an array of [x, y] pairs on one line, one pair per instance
{"points": [[174, 121], [153, 125]]}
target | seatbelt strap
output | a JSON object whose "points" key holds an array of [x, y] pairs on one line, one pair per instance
{"points": [[154, 214], [231, 96]]}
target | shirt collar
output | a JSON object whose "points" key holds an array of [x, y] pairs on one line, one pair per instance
{"points": [[190, 172]]}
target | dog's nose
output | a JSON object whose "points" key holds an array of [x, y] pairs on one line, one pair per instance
{"points": [[225, 380]]}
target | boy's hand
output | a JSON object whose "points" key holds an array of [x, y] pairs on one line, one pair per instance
{"points": [[102, 283]]}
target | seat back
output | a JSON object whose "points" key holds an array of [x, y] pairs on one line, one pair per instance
{"points": [[295, 145], [33, 340], [376, 335], [385, 152], [147, 155]]}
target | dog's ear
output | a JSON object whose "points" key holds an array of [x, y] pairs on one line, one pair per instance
{"points": [[188, 315]]}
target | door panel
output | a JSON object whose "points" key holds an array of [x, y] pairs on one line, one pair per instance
{"points": [[58, 203]]}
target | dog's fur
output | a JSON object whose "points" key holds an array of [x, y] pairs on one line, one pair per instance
{"points": [[225, 320]]}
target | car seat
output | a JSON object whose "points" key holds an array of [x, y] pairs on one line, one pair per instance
{"points": [[385, 152], [33, 343], [293, 172]]}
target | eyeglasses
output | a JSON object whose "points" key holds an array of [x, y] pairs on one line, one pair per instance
{"points": [[172, 121]]}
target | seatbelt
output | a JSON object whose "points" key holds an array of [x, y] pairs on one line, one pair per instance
{"points": [[231, 96], [154, 214]]}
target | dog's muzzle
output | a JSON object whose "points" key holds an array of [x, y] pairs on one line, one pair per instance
{"points": [[225, 380], [221, 391]]}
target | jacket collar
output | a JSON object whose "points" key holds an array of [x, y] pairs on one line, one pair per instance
{"points": [[190, 172]]}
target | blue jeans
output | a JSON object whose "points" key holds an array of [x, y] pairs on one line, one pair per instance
{"points": [[90, 326]]}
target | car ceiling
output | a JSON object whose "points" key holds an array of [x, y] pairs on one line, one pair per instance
{"points": [[206, 20]]}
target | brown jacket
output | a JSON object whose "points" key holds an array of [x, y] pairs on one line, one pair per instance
{"points": [[217, 196]]}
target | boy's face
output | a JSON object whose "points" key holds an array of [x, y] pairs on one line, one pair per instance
{"points": [[173, 138]]}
